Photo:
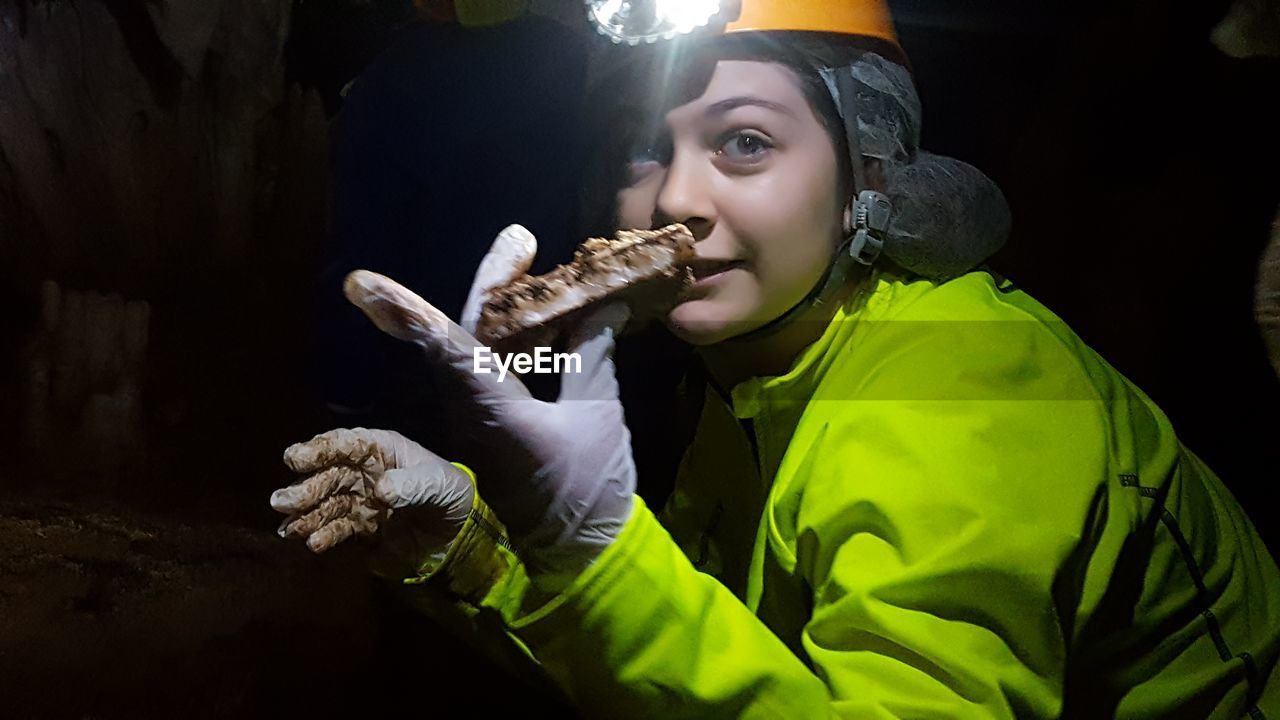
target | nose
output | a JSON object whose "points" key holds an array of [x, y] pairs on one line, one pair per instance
{"points": [[685, 197]]}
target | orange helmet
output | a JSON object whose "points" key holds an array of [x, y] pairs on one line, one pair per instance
{"points": [[636, 21], [869, 18]]}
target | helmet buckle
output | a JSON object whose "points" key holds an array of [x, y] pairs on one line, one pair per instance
{"points": [[871, 226]]}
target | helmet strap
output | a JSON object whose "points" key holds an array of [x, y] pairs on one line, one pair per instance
{"points": [[861, 246]]}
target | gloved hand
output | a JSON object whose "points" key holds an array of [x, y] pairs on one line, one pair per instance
{"points": [[341, 497], [559, 475], [359, 481]]}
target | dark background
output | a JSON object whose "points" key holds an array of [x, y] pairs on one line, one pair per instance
{"points": [[1139, 162]]}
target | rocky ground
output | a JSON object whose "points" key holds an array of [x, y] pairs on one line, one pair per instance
{"points": [[106, 612]]}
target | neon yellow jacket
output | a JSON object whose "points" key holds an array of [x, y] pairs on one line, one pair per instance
{"points": [[949, 508]]}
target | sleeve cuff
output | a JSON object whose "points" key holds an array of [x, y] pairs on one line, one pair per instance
{"points": [[474, 563]]}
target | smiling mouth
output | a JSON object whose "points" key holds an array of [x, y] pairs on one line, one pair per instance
{"points": [[704, 267]]}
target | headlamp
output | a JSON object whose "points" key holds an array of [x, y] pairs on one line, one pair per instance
{"points": [[637, 21]]}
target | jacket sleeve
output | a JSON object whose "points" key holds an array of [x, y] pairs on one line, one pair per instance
{"points": [[476, 590], [641, 633], [944, 542]]}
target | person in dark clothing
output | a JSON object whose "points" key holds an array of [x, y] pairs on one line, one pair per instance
{"points": [[431, 159]]}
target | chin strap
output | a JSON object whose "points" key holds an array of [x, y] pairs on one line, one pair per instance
{"points": [[871, 218]]}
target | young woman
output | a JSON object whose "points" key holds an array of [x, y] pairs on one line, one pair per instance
{"points": [[912, 491]]}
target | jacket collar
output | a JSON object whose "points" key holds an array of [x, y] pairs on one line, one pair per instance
{"points": [[797, 385]]}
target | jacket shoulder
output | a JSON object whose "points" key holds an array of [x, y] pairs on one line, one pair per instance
{"points": [[969, 338]]}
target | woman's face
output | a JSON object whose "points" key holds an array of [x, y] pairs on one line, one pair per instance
{"points": [[744, 162]]}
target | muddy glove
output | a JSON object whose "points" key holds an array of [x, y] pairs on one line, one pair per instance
{"points": [[359, 481], [559, 475]]}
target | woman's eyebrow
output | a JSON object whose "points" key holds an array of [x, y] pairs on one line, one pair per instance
{"points": [[723, 107]]}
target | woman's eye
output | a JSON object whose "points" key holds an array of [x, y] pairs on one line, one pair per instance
{"points": [[744, 147]]}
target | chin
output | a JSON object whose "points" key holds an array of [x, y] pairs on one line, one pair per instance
{"points": [[699, 322]]}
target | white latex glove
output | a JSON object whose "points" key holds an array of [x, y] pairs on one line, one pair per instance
{"points": [[510, 256], [559, 475], [359, 481]]}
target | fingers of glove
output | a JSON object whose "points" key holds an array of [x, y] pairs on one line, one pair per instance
{"points": [[509, 257], [593, 341], [331, 509], [330, 535], [402, 314], [369, 449], [303, 496], [361, 521], [433, 483]]}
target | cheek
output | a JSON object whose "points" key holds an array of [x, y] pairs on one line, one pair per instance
{"points": [[787, 225], [793, 222]]}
